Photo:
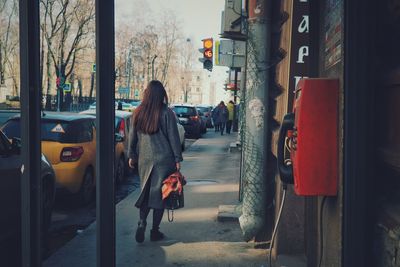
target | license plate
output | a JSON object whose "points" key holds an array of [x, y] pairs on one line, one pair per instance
{"points": [[183, 120]]}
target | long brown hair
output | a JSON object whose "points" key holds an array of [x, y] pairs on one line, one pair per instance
{"points": [[147, 115]]}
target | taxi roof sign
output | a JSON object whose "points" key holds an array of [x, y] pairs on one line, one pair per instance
{"points": [[58, 129]]}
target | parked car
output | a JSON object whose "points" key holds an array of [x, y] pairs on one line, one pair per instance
{"points": [[68, 141], [206, 111], [13, 102], [181, 131], [6, 114], [189, 118], [128, 107], [203, 125], [93, 105], [122, 127], [136, 103], [10, 190]]}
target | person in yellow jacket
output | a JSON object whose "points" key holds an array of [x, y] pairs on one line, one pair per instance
{"points": [[231, 110]]}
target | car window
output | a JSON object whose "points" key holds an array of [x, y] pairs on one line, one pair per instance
{"points": [[86, 134], [12, 129], [135, 103], [56, 130], [191, 111], [203, 109]]}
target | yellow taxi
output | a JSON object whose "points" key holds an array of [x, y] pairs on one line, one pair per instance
{"points": [[122, 127], [69, 142]]}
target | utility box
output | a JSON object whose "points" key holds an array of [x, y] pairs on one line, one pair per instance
{"points": [[231, 24]]}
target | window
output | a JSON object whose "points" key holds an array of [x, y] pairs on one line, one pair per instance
{"points": [[56, 130], [191, 111], [86, 131]]}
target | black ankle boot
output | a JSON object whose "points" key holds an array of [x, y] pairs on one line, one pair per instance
{"points": [[156, 235], [140, 231]]}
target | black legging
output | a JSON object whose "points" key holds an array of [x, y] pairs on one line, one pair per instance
{"points": [[228, 126], [157, 215], [222, 127], [145, 210]]}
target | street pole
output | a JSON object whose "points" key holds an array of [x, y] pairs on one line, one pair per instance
{"points": [[235, 124], [91, 86], [129, 69], [60, 76], [148, 68], [186, 95], [152, 67], [1, 64], [258, 181], [236, 86]]}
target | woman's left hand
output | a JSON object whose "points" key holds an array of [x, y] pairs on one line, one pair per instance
{"points": [[178, 166]]}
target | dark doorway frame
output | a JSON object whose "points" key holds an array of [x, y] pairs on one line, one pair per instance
{"points": [[105, 149], [31, 187], [358, 132], [30, 133]]}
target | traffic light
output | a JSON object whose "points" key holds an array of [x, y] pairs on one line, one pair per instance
{"points": [[207, 52]]}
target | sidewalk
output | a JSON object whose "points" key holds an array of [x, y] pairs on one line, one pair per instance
{"points": [[195, 238]]}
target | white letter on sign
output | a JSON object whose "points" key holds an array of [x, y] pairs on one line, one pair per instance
{"points": [[303, 51], [303, 26], [297, 79]]}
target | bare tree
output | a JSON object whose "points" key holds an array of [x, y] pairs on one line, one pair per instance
{"points": [[9, 43], [170, 34], [140, 44], [66, 25]]}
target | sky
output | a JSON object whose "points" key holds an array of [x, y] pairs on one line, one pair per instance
{"points": [[199, 19]]}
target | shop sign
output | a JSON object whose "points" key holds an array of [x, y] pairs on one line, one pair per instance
{"points": [[300, 45]]}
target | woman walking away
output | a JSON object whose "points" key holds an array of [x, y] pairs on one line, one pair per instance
{"points": [[222, 116], [214, 118], [154, 144]]}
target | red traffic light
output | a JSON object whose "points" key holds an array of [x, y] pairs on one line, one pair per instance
{"points": [[208, 53]]}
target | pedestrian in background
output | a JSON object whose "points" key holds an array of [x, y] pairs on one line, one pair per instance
{"points": [[154, 144], [214, 118], [222, 116], [119, 107], [231, 111]]}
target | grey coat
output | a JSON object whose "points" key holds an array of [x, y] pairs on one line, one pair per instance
{"points": [[222, 114], [157, 155]]}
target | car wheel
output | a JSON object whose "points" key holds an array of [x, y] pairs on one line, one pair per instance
{"points": [[198, 134], [87, 188], [48, 195], [120, 171]]}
